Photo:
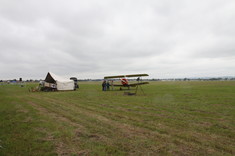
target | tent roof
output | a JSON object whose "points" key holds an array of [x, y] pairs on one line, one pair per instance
{"points": [[52, 78]]}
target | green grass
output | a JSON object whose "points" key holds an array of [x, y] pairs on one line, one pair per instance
{"points": [[173, 118]]}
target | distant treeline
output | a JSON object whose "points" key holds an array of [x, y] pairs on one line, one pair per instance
{"points": [[195, 79], [154, 79]]}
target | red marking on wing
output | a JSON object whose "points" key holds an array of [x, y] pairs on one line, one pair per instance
{"points": [[124, 81]]}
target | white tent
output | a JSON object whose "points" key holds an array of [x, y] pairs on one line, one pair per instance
{"points": [[61, 83]]}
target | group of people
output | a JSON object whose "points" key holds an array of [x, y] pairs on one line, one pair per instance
{"points": [[105, 85]]}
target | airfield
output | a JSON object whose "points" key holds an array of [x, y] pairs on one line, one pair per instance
{"points": [[172, 118]]}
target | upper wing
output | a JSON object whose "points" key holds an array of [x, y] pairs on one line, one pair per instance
{"points": [[137, 75], [120, 76], [110, 77]]}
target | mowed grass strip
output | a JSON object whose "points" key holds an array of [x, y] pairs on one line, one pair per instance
{"points": [[174, 118]]}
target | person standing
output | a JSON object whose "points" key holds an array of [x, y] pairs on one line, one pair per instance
{"points": [[104, 86], [107, 84]]}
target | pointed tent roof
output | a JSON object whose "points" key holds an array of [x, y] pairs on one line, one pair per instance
{"points": [[52, 78]]}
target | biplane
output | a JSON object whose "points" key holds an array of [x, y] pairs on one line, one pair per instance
{"points": [[124, 81]]}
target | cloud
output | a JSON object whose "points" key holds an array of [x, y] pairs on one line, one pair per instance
{"points": [[91, 39]]}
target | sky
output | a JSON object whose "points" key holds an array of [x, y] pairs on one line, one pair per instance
{"points": [[97, 38]]}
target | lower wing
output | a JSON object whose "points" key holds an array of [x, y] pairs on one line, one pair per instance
{"points": [[131, 85]]}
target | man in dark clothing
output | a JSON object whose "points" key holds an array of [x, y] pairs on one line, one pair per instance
{"points": [[104, 85], [107, 84]]}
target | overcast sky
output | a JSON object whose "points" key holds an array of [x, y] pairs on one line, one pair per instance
{"points": [[97, 38]]}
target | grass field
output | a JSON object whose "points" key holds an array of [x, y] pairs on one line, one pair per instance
{"points": [[173, 118]]}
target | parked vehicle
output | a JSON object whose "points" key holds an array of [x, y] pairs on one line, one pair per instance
{"points": [[75, 82]]}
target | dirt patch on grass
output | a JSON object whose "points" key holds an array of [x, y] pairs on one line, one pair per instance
{"points": [[83, 153], [47, 112], [61, 148], [20, 108], [28, 120]]}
